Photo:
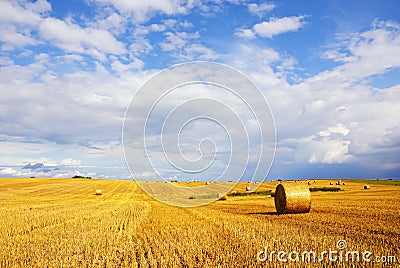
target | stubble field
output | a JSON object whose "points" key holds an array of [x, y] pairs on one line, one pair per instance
{"points": [[62, 223]]}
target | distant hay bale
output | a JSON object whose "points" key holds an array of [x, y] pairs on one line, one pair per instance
{"points": [[366, 187], [98, 192], [222, 198], [248, 188], [343, 183], [315, 181], [207, 183], [272, 193], [309, 183], [292, 198], [234, 192], [331, 183]]}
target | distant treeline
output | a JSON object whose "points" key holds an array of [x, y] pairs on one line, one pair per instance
{"points": [[80, 177]]}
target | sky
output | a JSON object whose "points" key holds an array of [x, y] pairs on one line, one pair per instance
{"points": [[329, 70]]}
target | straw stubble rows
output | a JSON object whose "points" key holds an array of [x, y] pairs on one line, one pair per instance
{"points": [[62, 223]]}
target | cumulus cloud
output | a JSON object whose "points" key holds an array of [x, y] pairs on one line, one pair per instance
{"points": [[72, 38], [67, 97], [329, 119], [272, 27], [18, 20], [177, 40], [12, 12], [260, 9], [339, 128], [70, 162], [144, 10], [277, 26], [367, 53], [185, 46], [13, 38], [245, 33]]}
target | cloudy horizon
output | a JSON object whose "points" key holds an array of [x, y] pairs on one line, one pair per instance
{"points": [[329, 71]]}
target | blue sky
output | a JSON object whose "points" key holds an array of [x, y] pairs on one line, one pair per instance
{"points": [[329, 70]]}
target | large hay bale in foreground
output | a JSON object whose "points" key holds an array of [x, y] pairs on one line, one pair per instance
{"points": [[292, 198]]}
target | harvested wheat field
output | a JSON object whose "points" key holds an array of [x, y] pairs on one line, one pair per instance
{"points": [[63, 223]]}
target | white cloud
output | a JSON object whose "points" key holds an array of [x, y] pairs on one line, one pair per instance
{"points": [[12, 12], [270, 54], [70, 58], [329, 119], [177, 40], [12, 38], [274, 26], [277, 26], [113, 22], [200, 52], [18, 20], [337, 152], [245, 33], [72, 38], [120, 67], [140, 46], [145, 9], [8, 171], [339, 129], [367, 53], [67, 104], [40, 6], [184, 46], [330, 152], [70, 162], [157, 27], [260, 9]]}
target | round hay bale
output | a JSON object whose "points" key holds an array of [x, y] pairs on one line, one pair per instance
{"points": [[248, 188], [273, 194], [331, 183], [207, 183], [309, 183], [222, 198], [343, 183], [292, 198], [98, 192], [366, 187]]}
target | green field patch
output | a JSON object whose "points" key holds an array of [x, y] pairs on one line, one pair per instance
{"points": [[268, 192], [381, 182], [325, 189]]}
